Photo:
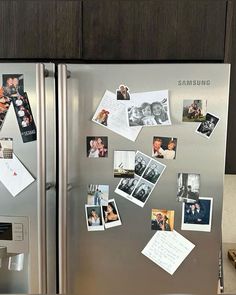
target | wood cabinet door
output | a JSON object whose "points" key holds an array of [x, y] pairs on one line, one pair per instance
{"points": [[154, 29], [40, 29], [230, 57]]}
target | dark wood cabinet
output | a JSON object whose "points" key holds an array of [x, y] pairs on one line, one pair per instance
{"points": [[154, 29], [40, 29], [230, 57]]}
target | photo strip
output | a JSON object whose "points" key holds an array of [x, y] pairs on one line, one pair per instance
{"points": [[188, 187], [162, 219], [207, 127], [122, 93], [164, 147], [194, 110], [94, 218], [197, 216], [124, 164], [149, 109], [6, 148], [97, 147], [98, 194], [147, 174], [111, 215]]}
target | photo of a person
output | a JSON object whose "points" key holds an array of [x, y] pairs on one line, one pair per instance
{"points": [[111, 215], [13, 85], [149, 109], [164, 147], [127, 185], [208, 126], [97, 147], [135, 116], [122, 93], [154, 171], [94, 218], [98, 194], [4, 106], [102, 117], [162, 219], [159, 113], [188, 187], [197, 215], [142, 191], [194, 110], [141, 162]]}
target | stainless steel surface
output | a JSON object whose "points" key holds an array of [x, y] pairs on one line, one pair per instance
{"points": [[41, 172], [63, 176], [25, 204], [111, 262]]}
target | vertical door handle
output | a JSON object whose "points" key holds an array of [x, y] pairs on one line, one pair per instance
{"points": [[63, 176], [41, 73]]}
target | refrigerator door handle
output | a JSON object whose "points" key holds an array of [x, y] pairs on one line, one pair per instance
{"points": [[41, 73], [63, 75]]}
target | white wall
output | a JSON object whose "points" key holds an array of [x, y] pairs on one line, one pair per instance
{"points": [[229, 210]]}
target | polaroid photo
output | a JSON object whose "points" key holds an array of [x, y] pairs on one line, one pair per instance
{"points": [[124, 164], [97, 147], [13, 84], [139, 190], [122, 93], [188, 187], [164, 147], [149, 109], [162, 219], [6, 148], [94, 218], [111, 215], [197, 216], [111, 113], [98, 194], [207, 127], [141, 163], [194, 110]]}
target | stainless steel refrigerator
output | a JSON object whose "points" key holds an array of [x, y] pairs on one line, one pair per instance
{"points": [[62, 255]]}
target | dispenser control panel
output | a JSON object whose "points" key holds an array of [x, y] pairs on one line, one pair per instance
{"points": [[14, 234]]}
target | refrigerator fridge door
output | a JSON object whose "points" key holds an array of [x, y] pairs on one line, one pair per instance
{"points": [[110, 261], [23, 268]]}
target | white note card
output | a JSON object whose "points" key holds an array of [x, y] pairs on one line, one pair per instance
{"points": [[168, 250], [14, 176]]}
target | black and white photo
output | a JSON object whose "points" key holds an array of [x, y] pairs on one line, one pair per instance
{"points": [[149, 109], [124, 164], [197, 216], [188, 187], [141, 163], [207, 127], [147, 174]]}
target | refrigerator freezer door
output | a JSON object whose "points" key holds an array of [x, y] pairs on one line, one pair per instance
{"points": [[25, 203], [110, 262]]}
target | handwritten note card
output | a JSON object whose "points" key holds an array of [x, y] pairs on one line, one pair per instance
{"points": [[14, 176], [168, 250]]}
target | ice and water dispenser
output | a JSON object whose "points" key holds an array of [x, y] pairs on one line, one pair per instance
{"points": [[14, 243]]}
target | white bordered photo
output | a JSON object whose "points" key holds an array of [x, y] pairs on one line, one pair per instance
{"points": [[94, 218]]}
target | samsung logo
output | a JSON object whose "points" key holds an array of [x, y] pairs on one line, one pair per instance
{"points": [[194, 82]]}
